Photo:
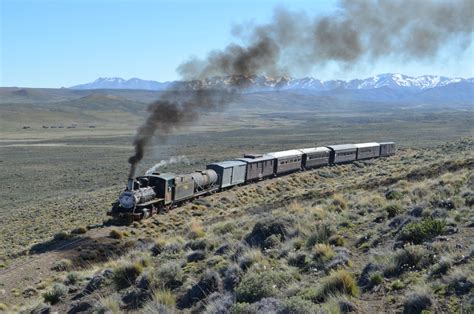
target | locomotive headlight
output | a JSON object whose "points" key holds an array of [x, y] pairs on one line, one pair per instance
{"points": [[127, 199]]}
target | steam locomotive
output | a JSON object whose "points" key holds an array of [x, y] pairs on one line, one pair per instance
{"points": [[157, 192]]}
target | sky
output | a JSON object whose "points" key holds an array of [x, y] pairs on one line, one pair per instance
{"points": [[63, 43]]}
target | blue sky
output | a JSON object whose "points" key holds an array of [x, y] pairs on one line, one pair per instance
{"points": [[68, 42]]}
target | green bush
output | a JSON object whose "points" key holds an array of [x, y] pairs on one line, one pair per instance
{"points": [[255, 286], [418, 232], [54, 295]]}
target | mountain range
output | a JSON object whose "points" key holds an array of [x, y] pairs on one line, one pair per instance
{"points": [[263, 83]]}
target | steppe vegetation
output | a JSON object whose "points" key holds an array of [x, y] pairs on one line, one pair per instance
{"points": [[392, 234]]}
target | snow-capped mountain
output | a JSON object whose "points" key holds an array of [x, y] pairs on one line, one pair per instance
{"points": [[263, 83], [120, 83]]}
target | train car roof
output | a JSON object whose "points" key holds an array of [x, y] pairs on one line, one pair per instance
{"points": [[363, 145], [386, 143], [342, 146], [314, 150], [228, 163], [286, 153], [257, 159]]}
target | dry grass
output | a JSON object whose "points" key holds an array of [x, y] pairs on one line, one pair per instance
{"points": [[295, 240]]}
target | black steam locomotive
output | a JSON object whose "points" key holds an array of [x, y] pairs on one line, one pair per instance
{"points": [[158, 192]]}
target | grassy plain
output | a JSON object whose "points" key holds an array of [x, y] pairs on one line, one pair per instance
{"points": [[330, 222]]}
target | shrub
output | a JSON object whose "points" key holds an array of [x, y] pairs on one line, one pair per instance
{"points": [[62, 265], [339, 281], [170, 275], [125, 274], [460, 283], [392, 194], [264, 229], [336, 240], [196, 230], [376, 279], [210, 282], [72, 278], [108, 305], [252, 257], [240, 308], [60, 236], [338, 203], [441, 268], [255, 286], [397, 285], [223, 228], [419, 232], [323, 252], [54, 295], [393, 210], [321, 234], [299, 260], [80, 230], [165, 297], [417, 302], [271, 242], [295, 208], [195, 256], [219, 303], [199, 244], [409, 258], [298, 305], [116, 234]]}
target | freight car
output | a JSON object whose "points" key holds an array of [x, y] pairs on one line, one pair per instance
{"points": [[159, 192]]}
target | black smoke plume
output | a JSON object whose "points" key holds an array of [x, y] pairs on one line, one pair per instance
{"points": [[359, 32]]}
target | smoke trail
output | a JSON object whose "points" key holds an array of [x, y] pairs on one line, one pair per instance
{"points": [[174, 109], [171, 161], [358, 32]]}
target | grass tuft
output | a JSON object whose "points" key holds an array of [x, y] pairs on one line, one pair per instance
{"points": [[54, 295], [339, 281], [62, 265], [126, 273], [116, 234]]}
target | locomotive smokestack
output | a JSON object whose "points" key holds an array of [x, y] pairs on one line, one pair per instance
{"points": [[130, 184]]}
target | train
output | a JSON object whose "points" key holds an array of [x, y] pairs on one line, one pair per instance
{"points": [[157, 192]]}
